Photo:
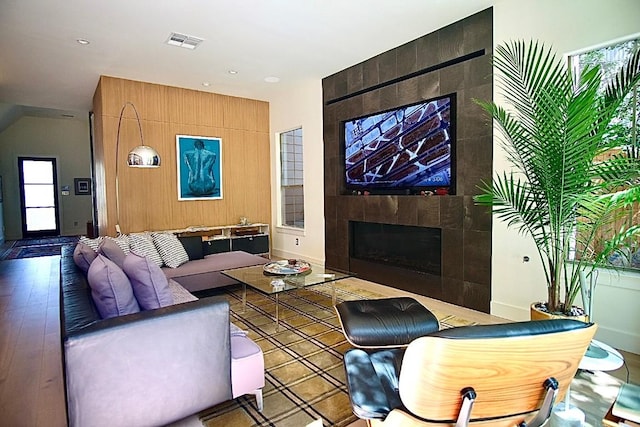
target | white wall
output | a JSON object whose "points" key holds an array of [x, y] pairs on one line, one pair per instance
{"points": [[295, 106], [67, 140], [615, 309], [569, 26]]}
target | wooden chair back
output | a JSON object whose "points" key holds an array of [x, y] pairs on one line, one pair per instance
{"points": [[507, 374]]}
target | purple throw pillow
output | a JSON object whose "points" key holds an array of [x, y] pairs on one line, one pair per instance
{"points": [[110, 249], [83, 256], [111, 289], [149, 283]]}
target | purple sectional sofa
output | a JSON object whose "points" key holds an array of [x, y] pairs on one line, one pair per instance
{"points": [[157, 366], [205, 273]]}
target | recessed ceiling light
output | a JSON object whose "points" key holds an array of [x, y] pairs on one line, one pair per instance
{"points": [[206, 84], [83, 42], [232, 72], [272, 79]]}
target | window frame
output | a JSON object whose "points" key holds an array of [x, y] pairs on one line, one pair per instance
{"points": [[280, 224]]}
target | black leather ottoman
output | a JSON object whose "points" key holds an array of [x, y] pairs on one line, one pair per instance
{"points": [[386, 322]]}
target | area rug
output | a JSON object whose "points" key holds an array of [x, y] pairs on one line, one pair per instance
{"points": [[60, 240], [30, 248], [303, 358]]}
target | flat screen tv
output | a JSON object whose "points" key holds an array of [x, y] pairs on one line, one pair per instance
{"points": [[402, 151]]}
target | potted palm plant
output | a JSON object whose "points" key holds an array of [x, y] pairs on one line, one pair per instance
{"points": [[565, 185]]}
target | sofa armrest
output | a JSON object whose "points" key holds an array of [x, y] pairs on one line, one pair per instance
{"points": [[149, 368]]}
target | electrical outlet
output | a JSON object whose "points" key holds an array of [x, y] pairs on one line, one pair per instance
{"points": [[75, 223], [297, 241]]}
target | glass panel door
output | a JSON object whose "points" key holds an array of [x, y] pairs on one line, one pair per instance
{"points": [[38, 196]]}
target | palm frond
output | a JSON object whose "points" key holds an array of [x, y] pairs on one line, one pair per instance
{"points": [[552, 133]]}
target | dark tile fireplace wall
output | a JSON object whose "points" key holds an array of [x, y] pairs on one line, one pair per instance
{"points": [[454, 59]]}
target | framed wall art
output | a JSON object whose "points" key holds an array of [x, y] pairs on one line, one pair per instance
{"points": [[82, 186], [199, 163]]}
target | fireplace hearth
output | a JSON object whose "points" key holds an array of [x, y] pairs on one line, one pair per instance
{"points": [[402, 246]]}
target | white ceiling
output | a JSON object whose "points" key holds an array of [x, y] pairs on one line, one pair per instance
{"points": [[43, 66]]}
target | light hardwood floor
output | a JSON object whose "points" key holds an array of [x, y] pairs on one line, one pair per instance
{"points": [[31, 386]]}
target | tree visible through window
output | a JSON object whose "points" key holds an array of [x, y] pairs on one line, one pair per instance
{"points": [[291, 179], [623, 130], [611, 59]]}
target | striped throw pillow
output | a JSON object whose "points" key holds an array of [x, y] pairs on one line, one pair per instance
{"points": [[171, 250], [92, 243], [142, 244]]}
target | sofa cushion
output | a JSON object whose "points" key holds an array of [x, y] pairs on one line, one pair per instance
{"points": [[206, 273], [110, 288], [170, 249], [142, 244], [193, 246], [109, 248], [149, 283], [179, 294], [216, 262], [83, 256]]}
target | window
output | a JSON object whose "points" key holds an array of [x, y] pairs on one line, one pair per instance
{"points": [[623, 129], [611, 58], [291, 179]]}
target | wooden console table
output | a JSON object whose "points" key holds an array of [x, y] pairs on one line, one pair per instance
{"points": [[252, 238]]}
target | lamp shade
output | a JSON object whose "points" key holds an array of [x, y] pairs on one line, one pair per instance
{"points": [[143, 156]]}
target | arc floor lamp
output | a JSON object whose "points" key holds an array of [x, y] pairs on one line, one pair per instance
{"points": [[141, 156]]}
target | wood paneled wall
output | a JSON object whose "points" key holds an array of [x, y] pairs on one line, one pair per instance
{"points": [[149, 197]]}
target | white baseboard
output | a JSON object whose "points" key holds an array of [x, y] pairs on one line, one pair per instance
{"points": [[622, 340], [508, 311], [288, 255]]}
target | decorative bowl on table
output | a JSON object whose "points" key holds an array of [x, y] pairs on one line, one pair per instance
{"points": [[286, 267]]}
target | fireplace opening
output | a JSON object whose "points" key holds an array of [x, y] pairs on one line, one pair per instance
{"points": [[410, 247]]}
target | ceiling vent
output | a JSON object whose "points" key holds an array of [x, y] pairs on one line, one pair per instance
{"points": [[183, 40]]}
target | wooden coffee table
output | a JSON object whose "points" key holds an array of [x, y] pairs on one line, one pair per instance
{"points": [[256, 278]]}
